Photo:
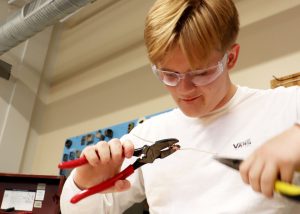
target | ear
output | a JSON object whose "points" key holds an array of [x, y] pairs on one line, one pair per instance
{"points": [[233, 55]]}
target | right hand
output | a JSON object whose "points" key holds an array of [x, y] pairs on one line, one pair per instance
{"points": [[104, 161]]}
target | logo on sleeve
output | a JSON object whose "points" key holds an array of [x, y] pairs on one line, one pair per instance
{"points": [[242, 144]]}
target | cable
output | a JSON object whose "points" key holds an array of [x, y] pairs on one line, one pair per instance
{"points": [[199, 150]]}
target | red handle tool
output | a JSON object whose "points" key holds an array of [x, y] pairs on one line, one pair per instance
{"points": [[73, 163], [104, 185], [97, 188]]}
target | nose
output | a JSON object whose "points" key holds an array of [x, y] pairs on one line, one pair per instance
{"points": [[185, 84]]}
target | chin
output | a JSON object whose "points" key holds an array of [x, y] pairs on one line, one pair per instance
{"points": [[194, 109], [193, 113]]}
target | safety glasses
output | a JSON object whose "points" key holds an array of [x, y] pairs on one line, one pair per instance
{"points": [[197, 77]]}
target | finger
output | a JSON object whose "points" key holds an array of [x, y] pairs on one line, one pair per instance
{"points": [[121, 185], [286, 173], [255, 174], [116, 150], [91, 155], [268, 177], [128, 149], [103, 152], [245, 168]]}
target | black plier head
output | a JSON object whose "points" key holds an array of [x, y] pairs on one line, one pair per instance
{"points": [[160, 149]]}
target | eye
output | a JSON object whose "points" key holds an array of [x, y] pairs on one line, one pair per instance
{"points": [[202, 74], [205, 73], [169, 75]]}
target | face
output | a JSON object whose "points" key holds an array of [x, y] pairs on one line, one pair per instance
{"points": [[197, 101]]}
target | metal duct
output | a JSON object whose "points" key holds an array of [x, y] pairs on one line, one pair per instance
{"points": [[33, 18]]}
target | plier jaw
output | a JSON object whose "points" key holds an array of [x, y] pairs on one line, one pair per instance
{"points": [[160, 149], [230, 162]]}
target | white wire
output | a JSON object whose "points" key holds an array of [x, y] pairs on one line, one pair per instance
{"points": [[193, 149], [143, 139], [199, 150]]}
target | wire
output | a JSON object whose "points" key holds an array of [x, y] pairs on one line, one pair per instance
{"points": [[193, 149], [143, 139], [199, 150]]}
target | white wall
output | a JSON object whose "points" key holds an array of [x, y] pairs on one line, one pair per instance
{"points": [[17, 96], [269, 41]]}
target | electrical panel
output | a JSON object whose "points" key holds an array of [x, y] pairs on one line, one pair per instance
{"points": [[74, 145]]}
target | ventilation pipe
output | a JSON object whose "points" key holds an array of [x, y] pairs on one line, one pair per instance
{"points": [[33, 18]]}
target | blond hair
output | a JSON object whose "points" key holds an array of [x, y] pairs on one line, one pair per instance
{"points": [[197, 26]]}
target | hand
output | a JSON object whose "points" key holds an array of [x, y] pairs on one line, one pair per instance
{"points": [[105, 160], [278, 158]]}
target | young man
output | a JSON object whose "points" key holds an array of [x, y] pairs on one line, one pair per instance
{"points": [[192, 47]]}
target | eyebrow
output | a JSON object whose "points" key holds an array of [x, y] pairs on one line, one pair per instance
{"points": [[165, 69], [198, 69]]}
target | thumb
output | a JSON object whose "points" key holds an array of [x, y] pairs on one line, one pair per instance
{"points": [[120, 186]]}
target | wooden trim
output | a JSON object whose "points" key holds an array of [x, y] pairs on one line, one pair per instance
{"points": [[286, 81]]}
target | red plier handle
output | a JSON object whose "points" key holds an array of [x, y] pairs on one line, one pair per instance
{"points": [[97, 188], [104, 185], [73, 163]]}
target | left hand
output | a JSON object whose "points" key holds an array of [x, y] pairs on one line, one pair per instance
{"points": [[278, 158]]}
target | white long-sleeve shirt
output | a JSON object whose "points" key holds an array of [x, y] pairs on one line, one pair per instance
{"points": [[191, 181]]}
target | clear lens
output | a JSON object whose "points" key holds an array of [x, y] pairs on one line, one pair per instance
{"points": [[206, 77], [169, 78], [198, 77]]}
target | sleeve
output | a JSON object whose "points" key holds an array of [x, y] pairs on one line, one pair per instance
{"points": [[92, 204], [104, 203]]}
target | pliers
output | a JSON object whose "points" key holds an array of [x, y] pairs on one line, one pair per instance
{"points": [[147, 154], [290, 191]]}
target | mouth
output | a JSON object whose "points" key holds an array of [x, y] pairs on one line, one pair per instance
{"points": [[189, 99]]}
